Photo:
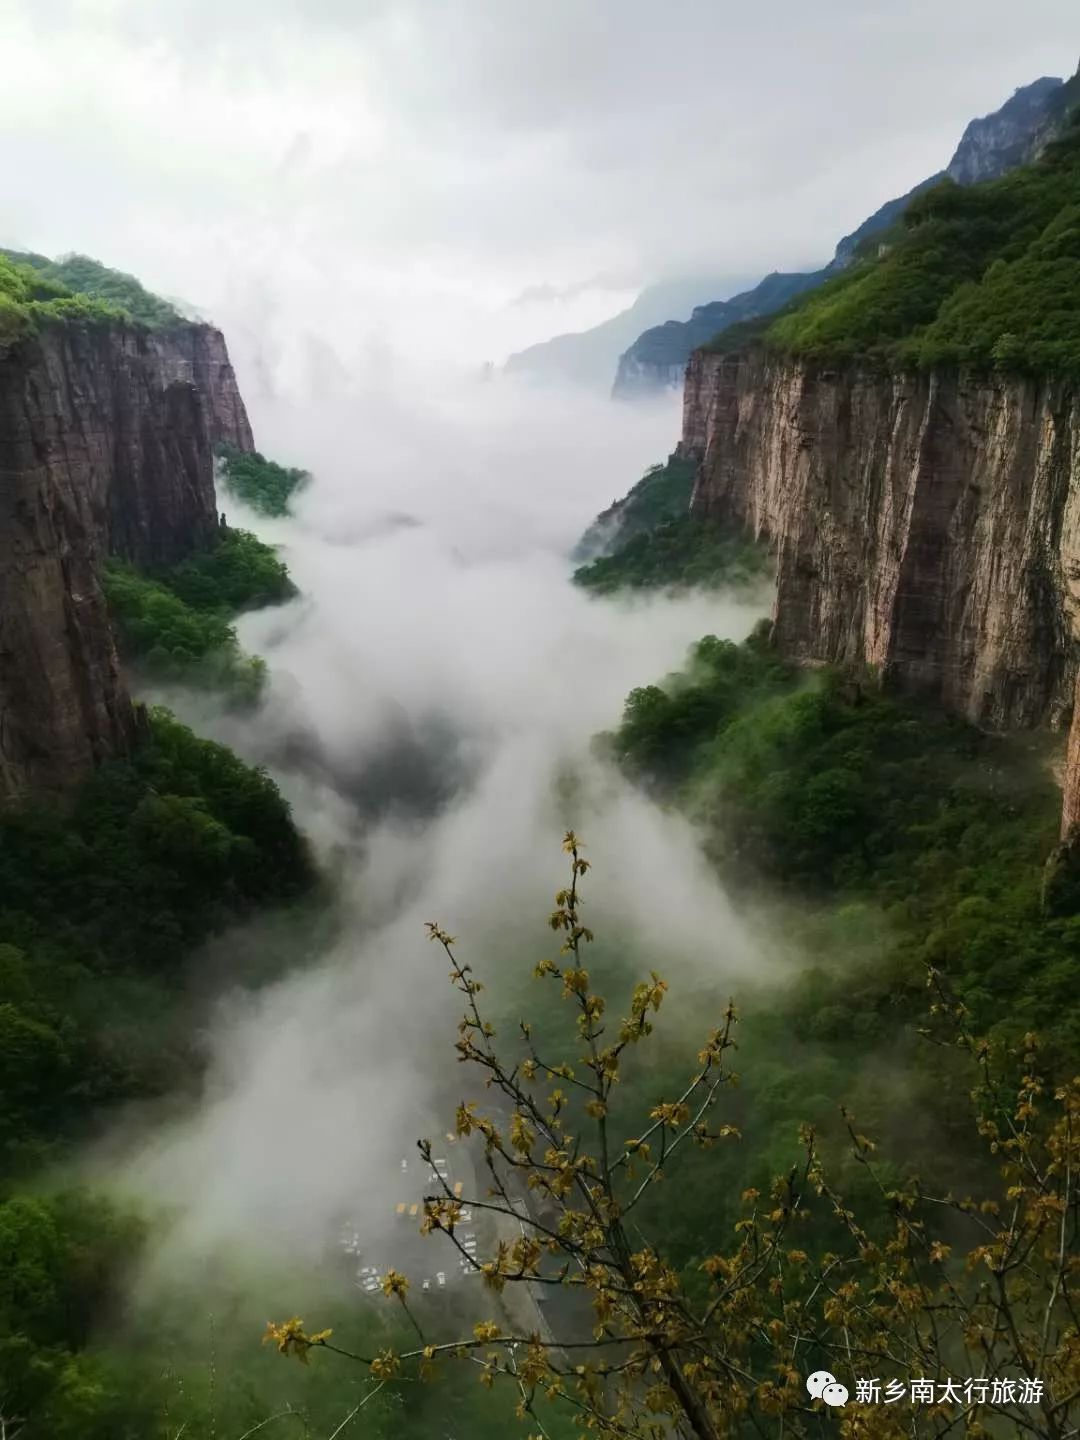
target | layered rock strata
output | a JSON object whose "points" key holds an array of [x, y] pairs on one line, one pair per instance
{"points": [[925, 524], [106, 447]]}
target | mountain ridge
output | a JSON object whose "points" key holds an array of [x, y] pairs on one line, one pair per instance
{"points": [[586, 357], [107, 438], [989, 146]]}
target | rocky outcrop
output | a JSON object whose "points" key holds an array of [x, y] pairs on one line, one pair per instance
{"points": [[924, 524], [106, 447], [1013, 135], [196, 355]]}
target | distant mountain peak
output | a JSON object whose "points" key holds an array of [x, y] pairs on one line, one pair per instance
{"points": [[588, 357]]}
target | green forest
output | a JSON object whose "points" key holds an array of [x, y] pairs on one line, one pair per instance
{"points": [[880, 838], [176, 624], [105, 902], [30, 298], [661, 495], [649, 541], [35, 290], [679, 554], [263, 484], [112, 908]]}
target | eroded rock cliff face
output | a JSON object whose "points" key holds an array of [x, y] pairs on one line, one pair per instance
{"points": [[106, 447], [928, 525]]}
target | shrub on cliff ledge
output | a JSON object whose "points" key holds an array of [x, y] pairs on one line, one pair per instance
{"points": [[261, 483], [176, 623], [680, 554]]}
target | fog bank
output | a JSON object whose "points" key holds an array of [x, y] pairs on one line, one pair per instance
{"points": [[432, 698]]}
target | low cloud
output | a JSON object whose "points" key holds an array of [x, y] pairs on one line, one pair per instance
{"points": [[432, 699]]}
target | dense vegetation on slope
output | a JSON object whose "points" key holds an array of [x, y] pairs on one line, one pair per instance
{"points": [[29, 298], [80, 1360], [886, 838], [663, 493], [678, 555], [987, 275], [100, 904], [109, 911], [114, 292], [263, 484], [175, 624], [647, 541]]}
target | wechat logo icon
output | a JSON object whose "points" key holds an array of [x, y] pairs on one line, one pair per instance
{"points": [[823, 1386]]}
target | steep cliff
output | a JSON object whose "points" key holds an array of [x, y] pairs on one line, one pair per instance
{"points": [[106, 447], [927, 524]]}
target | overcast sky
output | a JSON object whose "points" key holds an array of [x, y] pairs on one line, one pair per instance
{"points": [[467, 176]]}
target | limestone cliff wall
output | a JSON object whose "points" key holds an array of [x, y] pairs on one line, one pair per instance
{"points": [[106, 447], [926, 524]]}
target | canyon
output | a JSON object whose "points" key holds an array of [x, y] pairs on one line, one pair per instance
{"points": [[107, 435], [925, 524]]}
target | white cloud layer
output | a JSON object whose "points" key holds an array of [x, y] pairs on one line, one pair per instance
{"points": [[397, 173], [433, 698]]}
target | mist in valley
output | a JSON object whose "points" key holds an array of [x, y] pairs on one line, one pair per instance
{"points": [[432, 698]]}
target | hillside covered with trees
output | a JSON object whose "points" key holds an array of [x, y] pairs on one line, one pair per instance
{"points": [[985, 275]]}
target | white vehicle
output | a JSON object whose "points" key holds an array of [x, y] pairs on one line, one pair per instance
{"points": [[371, 1284], [404, 1164], [440, 1279], [426, 1285]]}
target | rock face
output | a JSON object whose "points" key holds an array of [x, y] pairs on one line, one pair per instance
{"points": [[928, 525], [106, 447], [196, 355], [1013, 135]]}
